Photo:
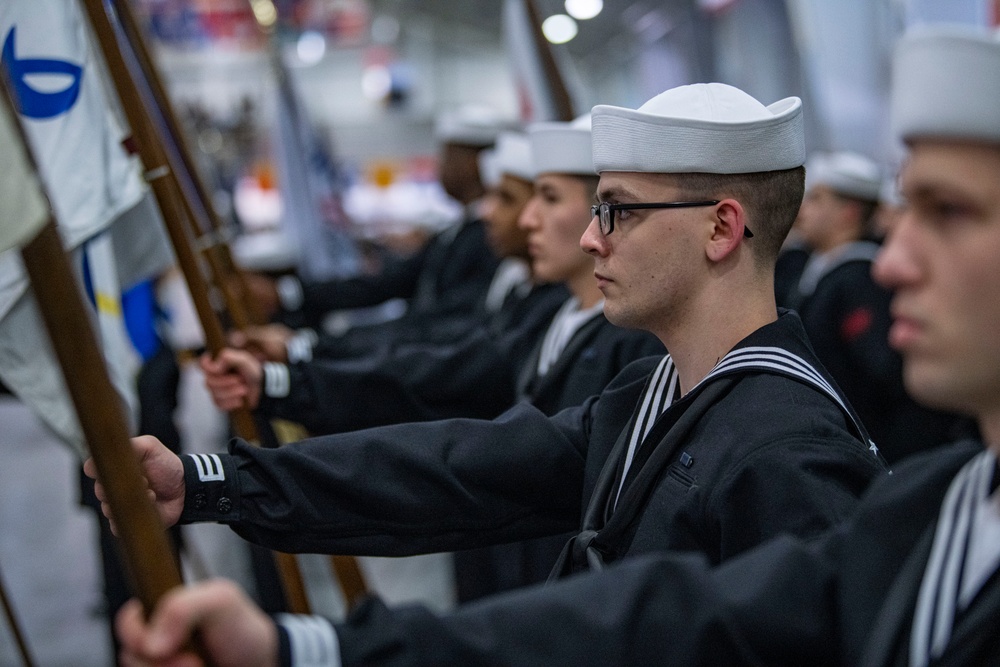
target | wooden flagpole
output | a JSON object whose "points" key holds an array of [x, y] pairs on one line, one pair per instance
{"points": [[158, 174], [98, 406], [15, 628], [345, 568], [243, 310], [560, 93], [166, 188]]}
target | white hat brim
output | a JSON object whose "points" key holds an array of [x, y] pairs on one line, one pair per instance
{"points": [[946, 84], [631, 140]]}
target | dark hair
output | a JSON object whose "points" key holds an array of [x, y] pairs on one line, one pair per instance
{"points": [[771, 200]]}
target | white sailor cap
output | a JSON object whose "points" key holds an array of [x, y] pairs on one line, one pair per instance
{"points": [[846, 173], [704, 127], [489, 171], [470, 125], [512, 153], [562, 148], [946, 83]]}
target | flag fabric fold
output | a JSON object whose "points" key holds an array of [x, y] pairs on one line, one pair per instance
{"points": [[75, 134], [23, 208]]}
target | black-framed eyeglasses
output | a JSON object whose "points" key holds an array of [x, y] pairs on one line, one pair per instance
{"points": [[605, 212]]}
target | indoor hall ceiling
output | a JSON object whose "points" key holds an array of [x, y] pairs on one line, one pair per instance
{"points": [[646, 20]]}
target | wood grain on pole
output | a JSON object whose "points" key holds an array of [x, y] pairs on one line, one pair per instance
{"points": [[243, 309], [167, 190], [560, 93]]}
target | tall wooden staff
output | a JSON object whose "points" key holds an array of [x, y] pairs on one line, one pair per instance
{"points": [[15, 628], [553, 78], [345, 568], [243, 310], [162, 177], [143, 539]]}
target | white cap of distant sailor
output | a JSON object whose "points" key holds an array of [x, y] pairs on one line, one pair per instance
{"points": [[562, 148], [703, 127], [470, 125], [946, 83], [512, 155], [489, 172], [846, 173]]}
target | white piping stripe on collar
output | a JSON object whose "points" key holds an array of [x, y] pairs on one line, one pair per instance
{"points": [[665, 378], [766, 362], [777, 354], [939, 590], [779, 359]]}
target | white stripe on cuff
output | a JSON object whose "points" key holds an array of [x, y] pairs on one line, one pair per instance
{"points": [[277, 380], [312, 639], [300, 346], [209, 467], [289, 292]]}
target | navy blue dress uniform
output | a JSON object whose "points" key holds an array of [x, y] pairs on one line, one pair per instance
{"points": [[594, 355], [846, 599], [908, 577], [638, 469], [472, 376], [757, 440], [480, 376], [450, 274], [846, 315]]}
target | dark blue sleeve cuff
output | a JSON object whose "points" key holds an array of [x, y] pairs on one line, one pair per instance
{"points": [[211, 489]]}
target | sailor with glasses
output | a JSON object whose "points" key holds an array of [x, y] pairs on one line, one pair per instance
{"points": [[737, 436]]}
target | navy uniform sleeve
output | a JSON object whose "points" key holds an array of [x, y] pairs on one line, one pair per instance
{"points": [[405, 489], [471, 378], [862, 322], [211, 488], [774, 605]]}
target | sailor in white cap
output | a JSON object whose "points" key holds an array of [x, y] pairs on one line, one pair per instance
{"points": [[578, 353], [735, 437], [846, 314], [468, 367], [447, 277]]}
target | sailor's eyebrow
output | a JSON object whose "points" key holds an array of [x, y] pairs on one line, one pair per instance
{"points": [[614, 192]]}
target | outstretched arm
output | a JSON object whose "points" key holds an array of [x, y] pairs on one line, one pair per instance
{"points": [[773, 606]]}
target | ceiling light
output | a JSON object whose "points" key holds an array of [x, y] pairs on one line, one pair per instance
{"points": [[559, 28], [376, 82], [582, 10], [310, 47]]}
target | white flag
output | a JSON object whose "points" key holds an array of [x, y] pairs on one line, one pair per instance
{"points": [[23, 209], [536, 98], [73, 128], [312, 211]]}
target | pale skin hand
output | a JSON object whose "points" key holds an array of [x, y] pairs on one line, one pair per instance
{"points": [[268, 342], [233, 378], [231, 630], [164, 475]]}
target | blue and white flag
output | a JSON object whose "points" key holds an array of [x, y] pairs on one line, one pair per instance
{"points": [[536, 98], [23, 208], [311, 190], [75, 133]]}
